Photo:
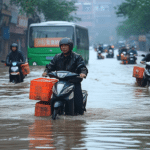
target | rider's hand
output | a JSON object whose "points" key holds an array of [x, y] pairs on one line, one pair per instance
{"points": [[142, 62], [44, 74], [82, 75]]}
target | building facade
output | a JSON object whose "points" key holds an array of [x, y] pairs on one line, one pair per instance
{"points": [[100, 18], [14, 27]]}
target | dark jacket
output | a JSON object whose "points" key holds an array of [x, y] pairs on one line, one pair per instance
{"points": [[123, 50], [132, 51], [69, 63], [15, 56], [100, 48]]}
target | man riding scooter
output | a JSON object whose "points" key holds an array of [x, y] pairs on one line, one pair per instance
{"points": [[68, 61], [110, 52], [132, 53], [100, 48], [146, 61], [120, 51], [17, 57]]}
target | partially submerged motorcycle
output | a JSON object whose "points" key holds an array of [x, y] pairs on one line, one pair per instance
{"points": [[142, 75], [131, 58], [15, 72], [120, 52], [128, 58], [146, 75], [124, 57], [99, 55], [110, 53], [63, 94]]}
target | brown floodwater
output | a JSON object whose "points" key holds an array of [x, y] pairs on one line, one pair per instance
{"points": [[117, 115]]}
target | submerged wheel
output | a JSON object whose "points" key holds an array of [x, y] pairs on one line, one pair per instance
{"points": [[139, 81], [15, 80], [54, 114]]}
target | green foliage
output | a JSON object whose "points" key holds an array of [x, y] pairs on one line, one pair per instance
{"points": [[56, 10], [137, 14], [52, 9], [26, 6]]}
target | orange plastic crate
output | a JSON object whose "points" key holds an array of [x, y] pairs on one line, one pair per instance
{"points": [[138, 72], [25, 69], [123, 57], [41, 89], [42, 109]]}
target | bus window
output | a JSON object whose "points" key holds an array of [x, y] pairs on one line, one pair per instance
{"points": [[49, 32], [82, 38]]}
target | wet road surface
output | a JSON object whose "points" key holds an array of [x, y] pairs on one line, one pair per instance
{"points": [[117, 117]]}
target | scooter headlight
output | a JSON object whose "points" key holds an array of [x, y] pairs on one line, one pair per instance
{"points": [[61, 75], [71, 95], [67, 90], [14, 69], [14, 63], [34, 64]]}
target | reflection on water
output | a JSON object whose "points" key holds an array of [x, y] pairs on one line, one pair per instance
{"points": [[41, 134], [117, 114], [94, 135], [142, 92], [59, 134]]}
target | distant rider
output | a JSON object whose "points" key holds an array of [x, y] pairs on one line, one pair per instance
{"points": [[68, 61], [17, 56], [110, 48], [133, 50], [100, 48], [123, 49]]}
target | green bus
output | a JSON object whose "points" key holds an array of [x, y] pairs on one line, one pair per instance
{"points": [[44, 37]]}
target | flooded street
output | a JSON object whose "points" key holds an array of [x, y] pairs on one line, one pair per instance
{"points": [[117, 116]]}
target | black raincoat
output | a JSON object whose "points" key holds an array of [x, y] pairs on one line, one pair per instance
{"points": [[70, 63], [16, 56]]}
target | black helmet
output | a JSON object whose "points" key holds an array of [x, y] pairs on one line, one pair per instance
{"points": [[14, 45], [66, 41]]}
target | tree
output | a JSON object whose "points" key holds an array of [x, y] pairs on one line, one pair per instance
{"points": [[137, 14], [52, 9], [58, 10], [26, 6]]}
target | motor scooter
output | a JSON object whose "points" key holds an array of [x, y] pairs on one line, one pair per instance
{"points": [[146, 76], [120, 54], [124, 58], [131, 58], [63, 94], [99, 55], [110, 53], [14, 71]]}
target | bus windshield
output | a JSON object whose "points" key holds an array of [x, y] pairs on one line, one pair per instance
{"points": [[49, 36]]}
